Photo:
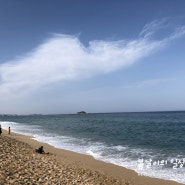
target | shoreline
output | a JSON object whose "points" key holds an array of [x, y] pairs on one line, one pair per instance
{"points": [[88, 163]]}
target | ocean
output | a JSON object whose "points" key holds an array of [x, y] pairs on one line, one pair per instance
{"points": [[151, 143]]}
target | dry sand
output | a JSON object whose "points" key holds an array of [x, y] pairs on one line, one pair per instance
{"points": [[19, 164]]}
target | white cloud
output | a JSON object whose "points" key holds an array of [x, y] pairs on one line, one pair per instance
{"points": [[152, 27], [64, 57]]}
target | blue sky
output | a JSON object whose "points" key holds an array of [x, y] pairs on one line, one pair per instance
{"points": [[64, 56]]}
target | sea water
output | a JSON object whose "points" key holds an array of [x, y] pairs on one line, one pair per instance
{"points": [[151, 143]]}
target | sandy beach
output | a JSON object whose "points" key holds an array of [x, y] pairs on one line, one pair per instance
{"points": [[19, 164]]}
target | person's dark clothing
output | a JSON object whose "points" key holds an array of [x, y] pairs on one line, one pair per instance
{"points": [[40, 150]]}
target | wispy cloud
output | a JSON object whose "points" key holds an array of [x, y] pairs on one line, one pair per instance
{"points": [[150, 82], [152, 27], [64, 57]]}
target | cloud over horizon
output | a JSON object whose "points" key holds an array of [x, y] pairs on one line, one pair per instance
{"points": [[64, 57]]}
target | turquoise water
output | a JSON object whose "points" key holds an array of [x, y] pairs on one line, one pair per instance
{"points": [[152, 143]]}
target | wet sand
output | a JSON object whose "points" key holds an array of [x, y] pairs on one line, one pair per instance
{"points": [[19, 164]]}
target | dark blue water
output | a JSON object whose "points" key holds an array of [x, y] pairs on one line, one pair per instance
{"points": [[151, 143]]}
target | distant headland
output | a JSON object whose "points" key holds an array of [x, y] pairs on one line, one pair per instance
{"points": [[81, 112]]}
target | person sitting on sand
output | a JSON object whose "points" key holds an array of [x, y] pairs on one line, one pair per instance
{"points": [[40, 150]]}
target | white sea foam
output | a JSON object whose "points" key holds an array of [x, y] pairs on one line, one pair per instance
{"points": [[21, 128], [6, 124], [95, 155]]}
